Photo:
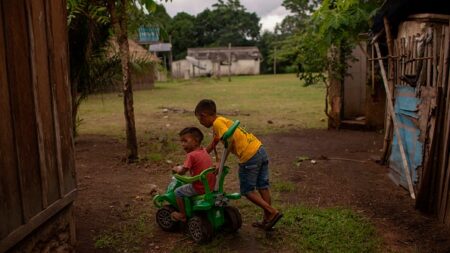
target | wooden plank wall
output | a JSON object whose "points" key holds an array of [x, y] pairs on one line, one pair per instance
{"points": [[433, 190], [422, 60], [442, 154], [37, 176], [354, 94]]}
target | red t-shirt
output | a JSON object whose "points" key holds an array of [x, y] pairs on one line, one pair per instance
{"points": [[198, 161]]}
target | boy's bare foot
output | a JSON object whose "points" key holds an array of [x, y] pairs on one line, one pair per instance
{"points": [[177, 216]]}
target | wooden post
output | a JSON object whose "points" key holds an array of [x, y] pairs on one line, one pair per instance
{"points": [[229, 62], [388, 127], [445, 54], [56, 120], [390, 44], [170, 57], [40, 133], [395, 123], [165, 62], [275, 60], [372, 65]]}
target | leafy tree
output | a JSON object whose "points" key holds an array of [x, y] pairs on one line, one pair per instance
{"points": [[90, 25], [265, 46], [90, 69], [137, 17], [181, 29], [282, 44], [288, 26], [227, 22], [335, 24], [301, 8], [119, 13]]}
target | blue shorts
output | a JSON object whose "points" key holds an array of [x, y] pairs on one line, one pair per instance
{"points": [[186, 190], [254, 173]]}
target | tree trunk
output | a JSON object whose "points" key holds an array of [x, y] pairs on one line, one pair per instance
{"points": [[119, 22]]}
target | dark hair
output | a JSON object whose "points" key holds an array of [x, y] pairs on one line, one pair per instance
{"points": [[195, 132], [206, 106]]}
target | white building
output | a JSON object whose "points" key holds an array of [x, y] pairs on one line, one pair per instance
{"points": [[215, 62]]}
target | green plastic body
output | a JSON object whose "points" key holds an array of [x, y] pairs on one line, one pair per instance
{"points": [[229, 133], [212, 201], [200, 203]]}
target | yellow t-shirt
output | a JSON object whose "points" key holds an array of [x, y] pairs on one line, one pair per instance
{"points": [[243, 144]]}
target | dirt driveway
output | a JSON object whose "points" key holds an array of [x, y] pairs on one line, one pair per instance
{"points": [[345, 174]]}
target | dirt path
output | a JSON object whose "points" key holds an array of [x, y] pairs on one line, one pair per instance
{"points": [[109, 189]]}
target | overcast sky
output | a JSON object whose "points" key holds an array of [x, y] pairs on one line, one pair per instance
{"points": [[269, 11]]}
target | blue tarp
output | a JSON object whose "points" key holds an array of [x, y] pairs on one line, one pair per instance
{"points": [[406, 110]]}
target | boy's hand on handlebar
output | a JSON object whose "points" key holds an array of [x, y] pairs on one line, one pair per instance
{"points": [[216, 168], [176, 169]]}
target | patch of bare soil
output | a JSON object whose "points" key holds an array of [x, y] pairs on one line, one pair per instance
{"points": [[344, 174]]}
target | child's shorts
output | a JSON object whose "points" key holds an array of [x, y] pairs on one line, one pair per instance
{"points": [[186, 190], [254, 173]]}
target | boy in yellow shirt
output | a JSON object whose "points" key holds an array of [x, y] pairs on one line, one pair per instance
{"points": [[253, 160]]}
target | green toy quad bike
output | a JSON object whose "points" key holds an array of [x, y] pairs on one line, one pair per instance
{"points": [[207, 213]]}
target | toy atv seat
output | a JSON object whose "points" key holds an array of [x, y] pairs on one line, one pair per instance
{"points": [[208, 213]]}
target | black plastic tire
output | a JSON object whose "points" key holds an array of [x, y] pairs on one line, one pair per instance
{"points": [[200, 229], [163, 218], [233, 219]]}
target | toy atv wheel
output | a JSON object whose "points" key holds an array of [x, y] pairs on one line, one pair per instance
{"points": [[163, 218], [200, 229], [233, 219]]}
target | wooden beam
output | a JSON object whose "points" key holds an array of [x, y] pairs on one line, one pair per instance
{"points": [[435, 45], [429, 55], [11, 209], [22, 105], [229, 62], [21, 232], [377, 36], [40, 134], [390, 84], [395, 123], [390, 44], [58, 10], [56, 120], [372, 65], [383, 58], [446, 125]]}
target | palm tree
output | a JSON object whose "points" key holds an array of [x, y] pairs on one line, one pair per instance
{"points": [[89, 24]]}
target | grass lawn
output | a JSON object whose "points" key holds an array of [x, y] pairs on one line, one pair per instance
{"points": [[254, 100], [264, 104]]}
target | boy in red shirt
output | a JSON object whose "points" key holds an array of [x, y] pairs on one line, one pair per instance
{"points": [[197, 160]]}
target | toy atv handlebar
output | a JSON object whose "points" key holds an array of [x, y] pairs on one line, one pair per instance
{"points": [[200, 177]]}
